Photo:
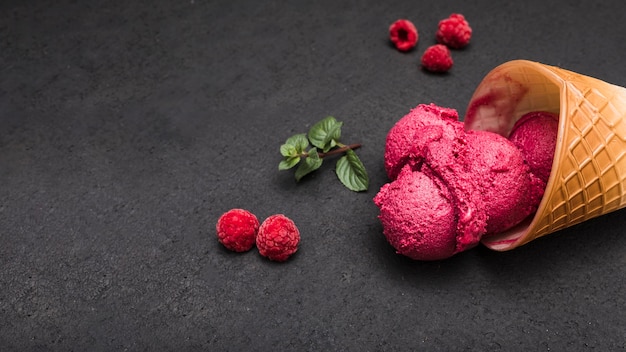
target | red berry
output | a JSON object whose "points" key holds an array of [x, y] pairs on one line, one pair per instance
{"points": [[454, 31], [437, 58], [403, 34], [278, 238], [237, 230]]}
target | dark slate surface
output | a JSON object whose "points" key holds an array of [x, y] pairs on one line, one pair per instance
{"points": [[128, 127]]}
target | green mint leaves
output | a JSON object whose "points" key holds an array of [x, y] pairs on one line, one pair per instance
{"points": [[324, 136], [351, 172], [292, 151]]}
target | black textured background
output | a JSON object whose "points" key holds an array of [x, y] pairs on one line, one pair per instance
{"points": [[128, 127]]}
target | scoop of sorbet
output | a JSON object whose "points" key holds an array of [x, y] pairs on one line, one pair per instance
{"points": [[510, 191], [417, 213], [400, 139], [534, 134]]}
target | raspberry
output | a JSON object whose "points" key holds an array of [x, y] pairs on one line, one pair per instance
{"points": [[237, 230], [437, 58], [278, 238], [403, 34], [454, 31]]}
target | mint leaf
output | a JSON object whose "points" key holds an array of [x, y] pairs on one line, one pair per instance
{"points": [[326, 133], [288, 150], [292, 151], [310, 164], [351, 172], [288, 163], [295, 145]]}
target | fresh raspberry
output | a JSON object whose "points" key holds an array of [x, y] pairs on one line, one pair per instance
{"points": [[437, 58], [403, 34], [237, 230], [454, 31], [278, 238]]}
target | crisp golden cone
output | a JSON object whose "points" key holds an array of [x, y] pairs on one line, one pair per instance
{"points": [[588, 176]]}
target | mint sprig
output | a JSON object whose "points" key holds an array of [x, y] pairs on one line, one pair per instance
{"points": [[324, 136]]}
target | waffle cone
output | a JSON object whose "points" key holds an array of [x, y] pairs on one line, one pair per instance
{"points": [[588, 176]]}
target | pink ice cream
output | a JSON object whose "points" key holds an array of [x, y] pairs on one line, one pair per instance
{"points": [[535, 136], [505, 182], [451, 187], [401, 136], [418, 237]]}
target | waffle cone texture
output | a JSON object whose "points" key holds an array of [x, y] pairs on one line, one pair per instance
{"points": [[588, 176]]}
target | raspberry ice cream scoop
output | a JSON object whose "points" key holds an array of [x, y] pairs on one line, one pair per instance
{"points": [[454, 186], [508, 187], [401, 136], [534, 134], [426, 237]]}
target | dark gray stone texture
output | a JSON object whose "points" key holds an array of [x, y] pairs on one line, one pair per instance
{"points": [[128, 127]]}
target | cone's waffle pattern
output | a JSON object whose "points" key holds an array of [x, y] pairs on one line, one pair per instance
{"points": [[590, 179], [588, 176]]}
